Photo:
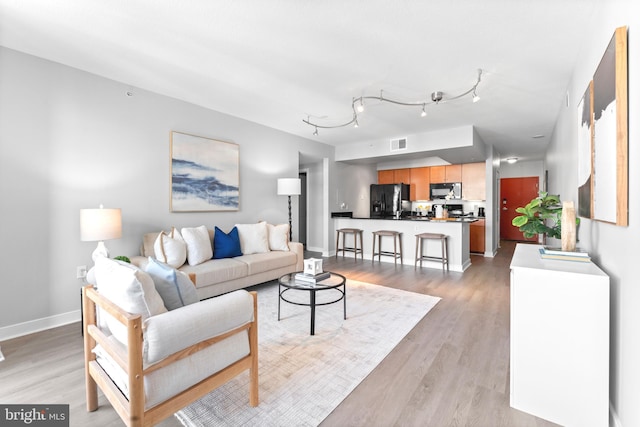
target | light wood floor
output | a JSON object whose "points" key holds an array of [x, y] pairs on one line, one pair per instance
{"points": [[452, 369]]}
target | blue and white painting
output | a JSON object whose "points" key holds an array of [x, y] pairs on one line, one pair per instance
{"points": [[205, 174]]}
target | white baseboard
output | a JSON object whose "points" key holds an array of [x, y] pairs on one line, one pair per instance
{"points": [[37, 325]]}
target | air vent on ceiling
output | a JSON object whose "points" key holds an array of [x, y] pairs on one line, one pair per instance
{"points": [[399, 144]]}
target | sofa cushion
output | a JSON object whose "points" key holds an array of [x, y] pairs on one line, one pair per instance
{"points": [[170, 248], [175, 287], [129, 288], [259, 263], [199, 247], [278, 237], [216, 271], [226, 245], [254, 238]]}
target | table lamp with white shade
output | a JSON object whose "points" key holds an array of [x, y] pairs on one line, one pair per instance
{"points": [[289, 187], [98, 225]]}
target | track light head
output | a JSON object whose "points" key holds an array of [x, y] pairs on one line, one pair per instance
{"points": [[360, 106], [424, 111]]}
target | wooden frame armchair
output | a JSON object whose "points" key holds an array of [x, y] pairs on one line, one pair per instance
{"points": [[136, 405]]}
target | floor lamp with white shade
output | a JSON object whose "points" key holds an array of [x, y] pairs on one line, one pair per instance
{"points": [[289, 187]]}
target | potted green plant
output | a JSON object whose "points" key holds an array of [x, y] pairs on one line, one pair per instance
{"points": [[542, 215]]}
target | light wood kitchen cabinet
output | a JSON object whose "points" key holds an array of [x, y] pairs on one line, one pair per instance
{"points": [[476, 236], [437, 174], [420, 180], [473, 181], [402, 176], [385, 177], [448, 173], [453, 173], [394, 176]]}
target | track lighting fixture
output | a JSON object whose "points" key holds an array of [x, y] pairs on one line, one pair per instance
{"points": [[475, 98], [357, 105]]}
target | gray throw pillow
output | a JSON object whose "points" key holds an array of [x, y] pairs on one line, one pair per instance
{"points": [[175, 287]]}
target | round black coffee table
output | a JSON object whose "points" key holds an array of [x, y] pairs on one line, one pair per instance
{"points": [[335, 281]]}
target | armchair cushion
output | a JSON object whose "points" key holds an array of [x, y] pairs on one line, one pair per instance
{"points": [[175, 330], [129, 288], [175, 287]]}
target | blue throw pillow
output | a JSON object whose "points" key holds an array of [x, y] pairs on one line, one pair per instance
{"points": [[226, 245], [175, 287]]}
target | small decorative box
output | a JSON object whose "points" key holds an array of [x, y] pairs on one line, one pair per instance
{"points": [[313, 266]]}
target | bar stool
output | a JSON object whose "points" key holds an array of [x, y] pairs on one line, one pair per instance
{"points": [[432, 236], [397, 245], [355, 249]]}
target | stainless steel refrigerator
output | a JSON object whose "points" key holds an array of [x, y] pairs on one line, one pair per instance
{"points": [[387, 199]]}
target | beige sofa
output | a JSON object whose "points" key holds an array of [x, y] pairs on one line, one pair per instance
{"points": [[218, 276]]}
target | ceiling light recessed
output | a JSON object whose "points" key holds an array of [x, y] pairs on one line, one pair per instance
{"points": [[512, 160]]}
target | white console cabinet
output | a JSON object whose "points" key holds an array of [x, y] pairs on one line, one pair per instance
{"points": [[559, 339]]}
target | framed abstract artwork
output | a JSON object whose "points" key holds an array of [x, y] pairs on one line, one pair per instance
{"points": [[205, 174], [603, 138]]}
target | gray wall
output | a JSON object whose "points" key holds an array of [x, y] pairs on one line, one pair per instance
{"points": [[72, 140], [613, 248]]}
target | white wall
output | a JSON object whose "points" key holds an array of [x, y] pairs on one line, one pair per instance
{"points": [[72, 140], [523, 169], [612, 247]]}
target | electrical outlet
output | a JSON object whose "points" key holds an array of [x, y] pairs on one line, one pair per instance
{"points": [[81, 272]]}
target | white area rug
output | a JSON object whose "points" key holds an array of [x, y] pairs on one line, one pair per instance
{"points": [[303, 377]]}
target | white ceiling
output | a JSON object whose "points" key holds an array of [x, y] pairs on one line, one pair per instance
{"points": [[278, 62]]}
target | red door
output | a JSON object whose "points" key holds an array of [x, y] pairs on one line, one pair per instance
{"points": [[514, 193]]}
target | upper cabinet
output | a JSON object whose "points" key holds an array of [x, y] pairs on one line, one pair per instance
{"points": [[472, 176], [437, 174], [394, 176], [453, 173], [473, 181], [420, 180], [448, 173], [385, 177], [402, 176]]}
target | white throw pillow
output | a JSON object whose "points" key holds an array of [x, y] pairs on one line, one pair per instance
{"points": [[254, 238], [278, 237], [129, 288], [170, 248], [199, 247]]}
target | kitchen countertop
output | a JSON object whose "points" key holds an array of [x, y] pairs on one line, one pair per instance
{"points": [[427, 219]]}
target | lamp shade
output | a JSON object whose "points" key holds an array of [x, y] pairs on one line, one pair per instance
{"points": [[100, 224], [288, 186]]}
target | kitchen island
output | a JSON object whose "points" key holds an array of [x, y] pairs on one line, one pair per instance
{"points": [[456, 228]]}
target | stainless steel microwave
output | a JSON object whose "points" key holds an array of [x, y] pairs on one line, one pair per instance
{"points": [[439, 191]]}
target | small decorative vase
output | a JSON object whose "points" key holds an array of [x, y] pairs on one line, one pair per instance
{"points": [[568, 226], [445, 213]]}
